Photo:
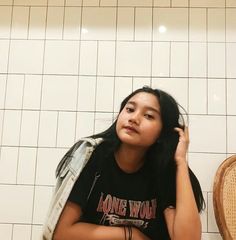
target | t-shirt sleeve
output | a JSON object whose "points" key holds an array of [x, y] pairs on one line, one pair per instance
{"points": [[83, 184], [168, 199], [168, 191]]}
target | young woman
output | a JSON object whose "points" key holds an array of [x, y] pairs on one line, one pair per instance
{"points": [[131, 181]]}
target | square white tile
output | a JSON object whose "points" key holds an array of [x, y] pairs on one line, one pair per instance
{"points": [[203, 134], [59, 92], [32, 92], [21, 210], [72, 23], [30, 2], [85, 124], [203, 215], [4, 49], [37, 232], [211, 236], [88, 58], [14, 91], [61, 57], [133, 59], [212, 226], [143, 24], [161, 3], [179, 59], [161, 59], [205, 165], [8, 165], [26, 56], [197, 59], [20, 17], [135, 3], [216, 25], [29, 128], [180, 3], [106, 58], [47, 161], [21, 232], [3, 83], [108, 3], [123, 87], [207, 3], [216, 60], [5, 19], [102, 26], [26, 165], [11, 128], [197, 96], [170, 24], [230, 3], [37, 23], [102, 122], [105, 102], [177, 87], [56, 2], [140, 82], [42, 198], [1, 125], [6, 231], [216, 96], [87, 94], [230, 25], [230, 59], [54, 25], [73, 3], [91, 3], [231, 134], [66, 129], [47, 129], [197, 24], [231, 97]]}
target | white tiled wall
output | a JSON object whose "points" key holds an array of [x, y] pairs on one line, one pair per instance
{"points": [[65, 66]]}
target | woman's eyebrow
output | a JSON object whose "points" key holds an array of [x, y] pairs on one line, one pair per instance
{"points": [[146, 107]]}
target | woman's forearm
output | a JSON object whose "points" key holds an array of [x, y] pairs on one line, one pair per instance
{"points": [[88, 231], [187, 224]]}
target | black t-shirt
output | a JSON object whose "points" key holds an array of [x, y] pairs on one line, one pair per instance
{"points": [[119, 198]]}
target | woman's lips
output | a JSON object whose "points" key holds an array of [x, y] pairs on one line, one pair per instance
{"points": [[131, 129]]}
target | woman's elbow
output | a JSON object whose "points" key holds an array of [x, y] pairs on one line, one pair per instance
{"points": [[59, 234], [187, 232]]}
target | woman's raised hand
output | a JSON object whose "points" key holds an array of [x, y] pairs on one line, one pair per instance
{"points": [[182, 147]]}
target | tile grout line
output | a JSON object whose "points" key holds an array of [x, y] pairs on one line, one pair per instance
{"points": [[115, 61], [78, 77], [39, 118], [6, 81]]}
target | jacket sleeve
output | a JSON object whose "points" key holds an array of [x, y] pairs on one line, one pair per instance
{"points": [[67, 172]]}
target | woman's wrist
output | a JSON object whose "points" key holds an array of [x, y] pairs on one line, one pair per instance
{"points": [[128, 233], [181, 162]]}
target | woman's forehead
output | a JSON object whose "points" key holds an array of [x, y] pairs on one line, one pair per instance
{"points": [[146, 100]]}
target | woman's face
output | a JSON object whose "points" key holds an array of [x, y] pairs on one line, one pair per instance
{"points": [[139, 123]]}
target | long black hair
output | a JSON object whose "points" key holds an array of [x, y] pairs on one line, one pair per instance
{"points": [[161, 153]]}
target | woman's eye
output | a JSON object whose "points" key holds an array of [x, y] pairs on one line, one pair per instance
{"points": [[149, 116], [129, 109]]}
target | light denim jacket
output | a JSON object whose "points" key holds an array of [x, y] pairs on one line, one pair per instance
{"points": [[67, 172]]}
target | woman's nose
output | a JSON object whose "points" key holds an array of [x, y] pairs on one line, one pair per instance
{"points": [[135, 118]]}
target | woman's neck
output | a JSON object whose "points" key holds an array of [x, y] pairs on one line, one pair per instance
{"points": [[130, 159]]}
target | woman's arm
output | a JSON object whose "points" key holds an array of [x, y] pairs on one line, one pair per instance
{"points": [[69, 228], [183, 222]]}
